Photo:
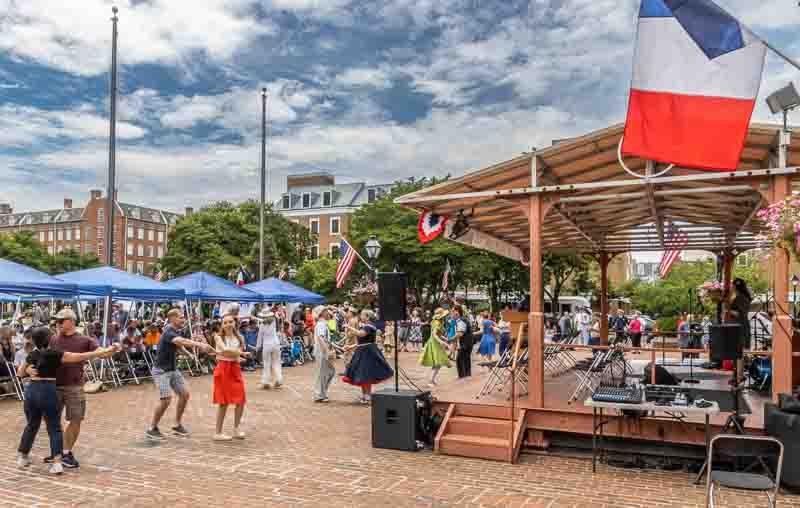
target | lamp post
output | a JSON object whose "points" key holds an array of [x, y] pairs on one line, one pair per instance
{"points": [[795, 282], [373, 247], [263, 183], [292, 272], [112, 146]]}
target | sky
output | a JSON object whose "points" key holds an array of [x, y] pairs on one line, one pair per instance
{"points": [[370, 91]]}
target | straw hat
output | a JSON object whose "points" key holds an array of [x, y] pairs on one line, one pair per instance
{"points": [[440, 313], [319, 309], [266, 314], [66, 313]]}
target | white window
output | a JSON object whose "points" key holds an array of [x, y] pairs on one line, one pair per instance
{"points": [[160, 237], [130, 249], [313, 225], [50, 236], [150, 234], [130, 231], [149, 251], [60, 234], [140, 267], [60, 249], [42, 236], [141, 233], [130, 266], [334, 250], [371, 194], [78, 234], [314, 251], [286, 202], [306, 200], [327, 198], [160, 251], [140, 250], [335, 225], [51, 250], [69, 235], [87, 248]]}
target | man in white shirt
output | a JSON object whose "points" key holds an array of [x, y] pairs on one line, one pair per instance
{"points": [[322, 349], [270, 345], [584, 321]]}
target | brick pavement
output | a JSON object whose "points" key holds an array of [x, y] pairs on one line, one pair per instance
{"points": [[298, 453]]}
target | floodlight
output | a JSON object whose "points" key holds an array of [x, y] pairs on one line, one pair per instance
{"points": [[784, 99]]}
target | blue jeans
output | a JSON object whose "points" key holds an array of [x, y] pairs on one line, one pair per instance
{"points": [[41, 401]]}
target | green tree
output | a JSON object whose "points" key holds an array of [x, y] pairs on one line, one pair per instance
{"points": [[319, 276], [222, 237], [22, 247], [560, 270]]}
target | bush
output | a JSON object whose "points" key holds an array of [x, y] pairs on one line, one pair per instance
{"points": [[668, 324]]}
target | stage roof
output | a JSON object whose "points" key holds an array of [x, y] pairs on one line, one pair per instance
{"points": [[598, 206]]}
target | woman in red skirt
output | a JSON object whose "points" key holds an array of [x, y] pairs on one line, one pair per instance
{"points": [[228, 381]]}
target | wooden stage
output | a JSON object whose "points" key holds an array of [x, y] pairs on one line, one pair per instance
{"points": [[561, 418]]}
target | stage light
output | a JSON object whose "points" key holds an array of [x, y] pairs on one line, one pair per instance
{"points": [[783, 100]]}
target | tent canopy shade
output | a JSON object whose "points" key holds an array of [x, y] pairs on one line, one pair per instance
{"points": [[121, 285], [20, 280], [277, 290], [205, 286]]}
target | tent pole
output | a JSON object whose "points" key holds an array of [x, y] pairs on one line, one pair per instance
{"points": [[106, 320]]}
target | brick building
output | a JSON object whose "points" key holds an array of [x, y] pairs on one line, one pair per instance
{"points": [[140, 233], [317, 202]]}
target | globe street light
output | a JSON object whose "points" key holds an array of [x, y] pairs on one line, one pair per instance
{"points": [[373, 247], [292, 272]]}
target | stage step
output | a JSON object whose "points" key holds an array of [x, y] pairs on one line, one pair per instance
{"points": [[479, 427], [474, 446]]}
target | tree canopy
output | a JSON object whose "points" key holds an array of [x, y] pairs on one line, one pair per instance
{"points": [[23, 247], [222, 237]]}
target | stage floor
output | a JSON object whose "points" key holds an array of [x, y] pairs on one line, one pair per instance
{"points": [[558, 390]]}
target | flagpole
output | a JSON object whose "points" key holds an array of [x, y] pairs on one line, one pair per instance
{"points": [[359, 255]]}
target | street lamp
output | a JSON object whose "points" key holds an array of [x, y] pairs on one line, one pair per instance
{"points": [[292, 272], [373, 247], [795, 282]]}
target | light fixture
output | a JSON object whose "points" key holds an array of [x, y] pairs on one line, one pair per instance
{"points": [[795, 280], [460, 227], [292, 272], [783, 100], [373, 247]]}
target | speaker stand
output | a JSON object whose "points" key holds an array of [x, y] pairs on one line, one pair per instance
{"points": [[396, 360]]}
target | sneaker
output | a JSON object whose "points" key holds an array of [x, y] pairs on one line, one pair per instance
{"points": [[69, 461], [322, 400], [266, 387], [56, 468], [222, 437], [278, 386], [155, 434], [180, 430], [23, 460], [238, 434], [48, 459], [364, 401]]}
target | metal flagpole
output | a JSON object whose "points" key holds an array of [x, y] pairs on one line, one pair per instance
{"points": [[371, 269], [112, 161], [263, 182]]}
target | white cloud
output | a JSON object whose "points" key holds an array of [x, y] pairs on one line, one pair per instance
{"points": [[358, 77], [25, 125], [78, 39]]}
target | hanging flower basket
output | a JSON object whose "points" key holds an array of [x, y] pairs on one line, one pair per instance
{"points": [[782, 220], [364, 293], [711, 292]]}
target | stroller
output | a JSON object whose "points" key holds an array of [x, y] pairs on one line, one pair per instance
{"points": [[300, 354]]}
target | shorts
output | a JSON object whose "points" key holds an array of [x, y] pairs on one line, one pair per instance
{"points": [[73, 399], [168, 382]]}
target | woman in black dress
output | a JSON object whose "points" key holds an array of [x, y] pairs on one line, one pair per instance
{"points": [[368, 366]]}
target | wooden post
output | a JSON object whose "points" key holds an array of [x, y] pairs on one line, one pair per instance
{"points": [[727, 270], [782, 322], [536, 316], [604, 260]]}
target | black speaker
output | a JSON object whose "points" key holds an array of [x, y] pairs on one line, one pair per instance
{"points": [[726, 342], [392, 296], [398, 419], [663, 376]]}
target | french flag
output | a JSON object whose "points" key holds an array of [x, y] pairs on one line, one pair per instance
{"points": [[696, 74]]}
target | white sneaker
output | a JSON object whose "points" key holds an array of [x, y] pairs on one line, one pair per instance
{"points": [[56, 468], [23, 460], [238, 434], [222, 437]]}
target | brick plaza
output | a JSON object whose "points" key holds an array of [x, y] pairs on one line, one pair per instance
{"points": [[298, 453]]}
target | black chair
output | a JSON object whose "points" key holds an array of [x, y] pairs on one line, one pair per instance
{"points": [[758, 451], [784, 424]]}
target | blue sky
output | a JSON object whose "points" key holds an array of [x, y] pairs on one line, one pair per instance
{"points": [[373, 91]]}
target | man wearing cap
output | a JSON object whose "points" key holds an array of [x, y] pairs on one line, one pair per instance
{"points": [[69, 381], [270, 345]]}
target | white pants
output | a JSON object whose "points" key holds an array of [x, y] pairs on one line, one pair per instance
{"points": [[272, 367]]}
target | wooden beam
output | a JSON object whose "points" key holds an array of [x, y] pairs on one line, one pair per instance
{"points": [[536, 316], [565, 215]]}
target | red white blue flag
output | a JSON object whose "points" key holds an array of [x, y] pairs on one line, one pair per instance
{"points": [[696, 75], [430, 226], [347, 258]]}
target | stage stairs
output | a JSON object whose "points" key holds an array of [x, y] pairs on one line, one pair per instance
{"points": [[483, 432]]}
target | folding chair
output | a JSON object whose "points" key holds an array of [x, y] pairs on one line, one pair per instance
{"points": [[496, 372], [15, 382], [737, 448]]}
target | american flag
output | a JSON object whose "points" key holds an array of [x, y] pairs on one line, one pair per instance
{"points": [[282, 274], [677, 240], [446, 276], [347, 258], [159, 275]]}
